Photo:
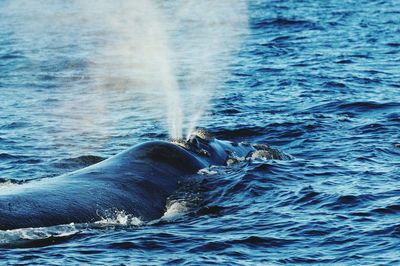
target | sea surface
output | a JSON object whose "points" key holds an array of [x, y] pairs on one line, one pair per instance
{"points": [[319, 80]]}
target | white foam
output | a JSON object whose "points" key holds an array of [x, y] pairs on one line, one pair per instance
{"points": [[7, 184], [207, 171], [31, 234], [175, 209], [119, 218]]}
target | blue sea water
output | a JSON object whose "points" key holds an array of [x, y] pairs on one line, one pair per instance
{"points": [[318, 80]]}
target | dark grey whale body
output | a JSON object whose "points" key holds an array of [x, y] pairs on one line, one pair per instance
{"points": [[136, 181]]}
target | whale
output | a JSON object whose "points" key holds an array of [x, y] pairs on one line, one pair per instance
{"points": [[137, 181]]}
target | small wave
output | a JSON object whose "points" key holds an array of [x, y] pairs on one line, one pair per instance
{"points": [[356, 107], [14, 125], [8, 182], [77, 162], [281, 38], [372, 128], [344, 61], [270, 70], [263, 241], [334, 84], [284, 22], [5, 156], [19, 159], [360, 55], [309, 198], [86, 159], [153, 135], [213, 210], [391, 209], [295, 260], [230, 111], [239, 133], [365, 106], [124, 245], [393, 44], [393, 117], [391, 231], [12, 56], [251, 242], [349, 201]]}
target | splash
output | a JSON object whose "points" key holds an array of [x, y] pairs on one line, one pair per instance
{"points": [[40, 236], [117, 218], [175, 209]]}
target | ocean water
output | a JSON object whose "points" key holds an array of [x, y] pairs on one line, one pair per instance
{"points": [[318, 80]]}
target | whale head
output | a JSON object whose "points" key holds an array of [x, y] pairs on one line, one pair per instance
{"points": [[214, 150]]}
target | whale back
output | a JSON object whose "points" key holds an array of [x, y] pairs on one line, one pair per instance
{"points": [[137, 181], [164, 153]]}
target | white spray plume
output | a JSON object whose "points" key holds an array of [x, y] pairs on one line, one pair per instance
{"points": [[137, 50], [208, 34], [189, 41], [170, 55]]}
